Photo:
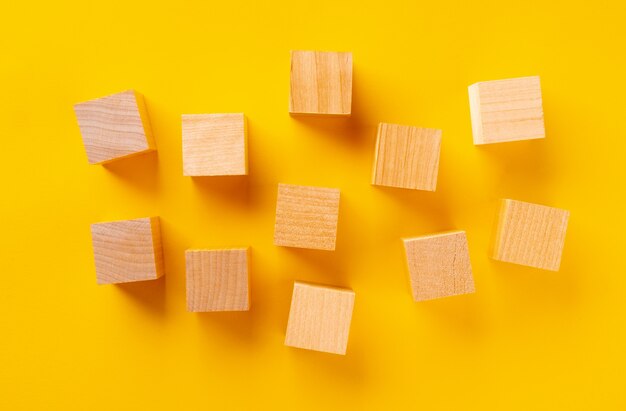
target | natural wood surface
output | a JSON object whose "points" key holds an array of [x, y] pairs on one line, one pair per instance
{"points": [[306, 217], [215, 144], [217, 280], [321, 83], [128, 250], [506, 110], [530, 234], [439, 265], [115, 126], [319, 318], [406, 157]]}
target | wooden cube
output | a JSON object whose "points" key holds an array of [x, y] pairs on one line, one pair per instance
{"points": [[217, 280], [506, 110], [439, 265], [114, 127], [321, 83], [530, 234], [128, 250], [406, 157], [306, 217], [215, 144], [319, 318]]}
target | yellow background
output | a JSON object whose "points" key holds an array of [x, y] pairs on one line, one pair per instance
{"points": [[527, 339]]}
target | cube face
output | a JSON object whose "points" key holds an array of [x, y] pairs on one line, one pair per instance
{"points": [[217, 280], [530, 234], [407, 157], [306, 217], [114, 127], [215, 144], [506, 110], [319, 318], [127, 251], [439, 265], [321, 83]]}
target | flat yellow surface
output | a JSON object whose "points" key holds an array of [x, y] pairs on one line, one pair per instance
{"points": [[527, 339]]}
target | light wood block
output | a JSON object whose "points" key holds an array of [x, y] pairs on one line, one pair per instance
{"points": [[319, 318], [217, 280], [114, 127], [439, 265], [306, 217], [321, 83], [215, 144], [530, 234], [506, 110], [406, 157], [128, 250]]}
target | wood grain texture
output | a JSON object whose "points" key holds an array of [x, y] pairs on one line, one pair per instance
{"points": [[506, 110], [306, 217], [217, 280], [319, 318], [114, 127], [215, 144], [439, 265], [321, 83], [128, 250], [530, 234], [406, 157]]}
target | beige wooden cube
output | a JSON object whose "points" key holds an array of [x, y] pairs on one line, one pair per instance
{"points": [[114, 127], [406, 157], [439, 265], [321, 83], [506, 110], [215, 144], [217, 280], [306, 217], [319, 318], [128, 250], [530, 234]]}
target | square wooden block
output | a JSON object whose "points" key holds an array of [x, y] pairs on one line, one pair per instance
{"points": [[439, 265], [319, 318], [506, 110], [406, 157], [215, 144], [128, 250], [306, 217], [115, 126], [530, 234], [321, 83], [217, 280]]}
